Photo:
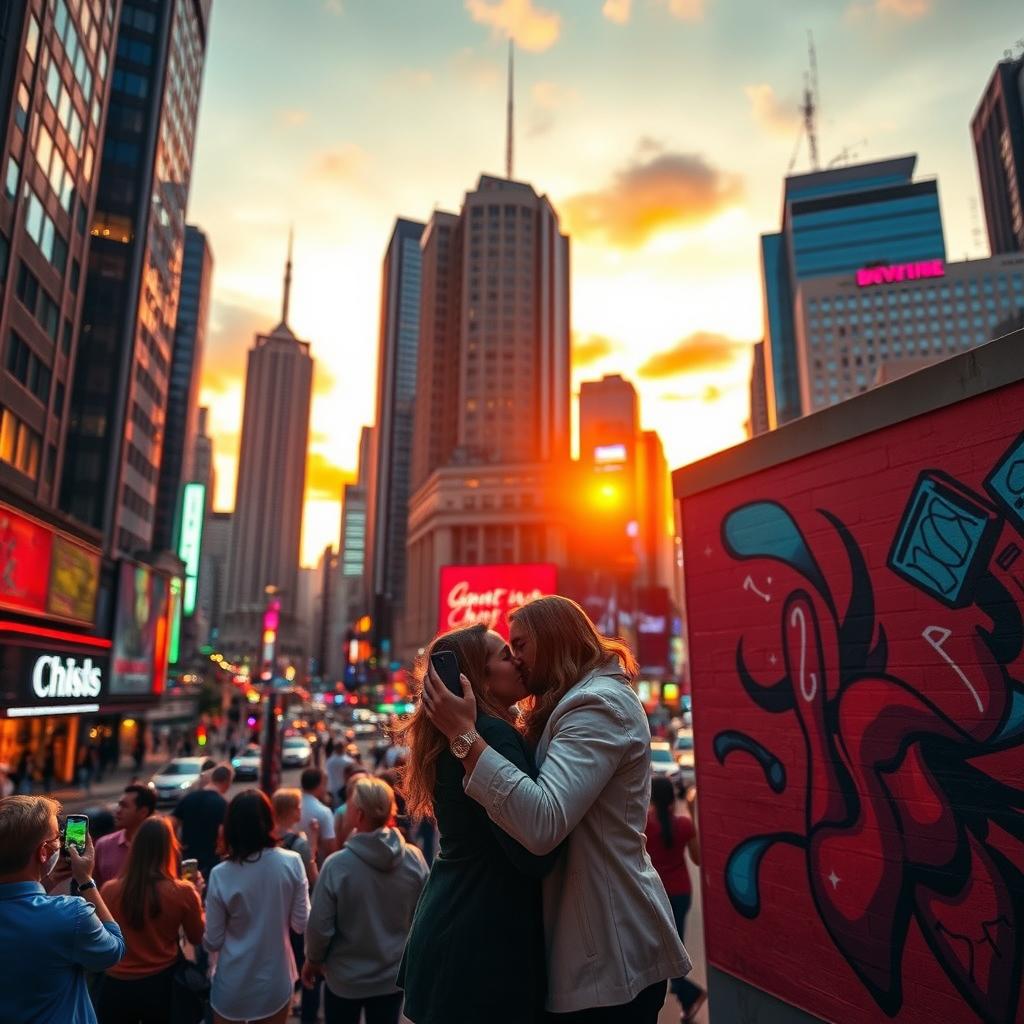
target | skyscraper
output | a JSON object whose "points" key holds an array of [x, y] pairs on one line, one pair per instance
{"points": [[835, 222], [998, 131], [122, 374], [267, 524], [609, 417], [54, 64], [183, 393], [758, 422], [388, 485], [492, 410]]}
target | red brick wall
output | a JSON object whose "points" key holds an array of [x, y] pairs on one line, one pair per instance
{"points": [[855, 632]]}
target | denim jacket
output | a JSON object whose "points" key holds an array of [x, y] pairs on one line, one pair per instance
{"points": [[608, 923]]}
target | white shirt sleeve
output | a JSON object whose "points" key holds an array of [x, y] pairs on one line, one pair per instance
{"points": [[326, 819]]}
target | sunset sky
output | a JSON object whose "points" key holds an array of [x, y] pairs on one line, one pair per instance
{"points": [[661, 130]]}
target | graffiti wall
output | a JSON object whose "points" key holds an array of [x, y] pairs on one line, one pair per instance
{"points": [[856, 629]]}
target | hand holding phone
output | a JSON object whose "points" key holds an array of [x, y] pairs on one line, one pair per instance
{"points": [[76, 832], [190, 869], [446, 665]]}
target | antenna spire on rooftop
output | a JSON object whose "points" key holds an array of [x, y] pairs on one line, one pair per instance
{"points": [[509, 122], [287, 278]]}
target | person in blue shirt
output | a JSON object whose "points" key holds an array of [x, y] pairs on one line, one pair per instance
{"points": [[47, 943]]}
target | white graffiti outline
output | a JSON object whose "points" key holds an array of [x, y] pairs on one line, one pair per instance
{"points": [[935, 637], [749, 584], [798, 614]]}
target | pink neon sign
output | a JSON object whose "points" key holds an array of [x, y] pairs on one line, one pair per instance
{"points": [[869, 276]]}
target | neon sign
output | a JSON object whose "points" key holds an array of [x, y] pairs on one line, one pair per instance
{"points": [[867, 277], [190, 542], [488, 593]]}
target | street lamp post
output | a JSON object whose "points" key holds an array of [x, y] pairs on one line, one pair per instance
{"points": [[270, 772]]}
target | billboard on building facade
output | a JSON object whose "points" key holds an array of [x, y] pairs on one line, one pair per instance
{"points": [[141, 632], [45, 573], [488, 593]]}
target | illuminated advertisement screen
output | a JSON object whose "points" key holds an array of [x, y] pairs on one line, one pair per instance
{"points": [[174, 616], [140, 632], [74, 581], [609, 454], [190, 540], [488, 593]]}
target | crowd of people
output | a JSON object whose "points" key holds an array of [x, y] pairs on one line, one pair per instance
{"points": [[558, 893]]}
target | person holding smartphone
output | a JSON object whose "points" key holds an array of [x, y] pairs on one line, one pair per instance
{"points": [[476, 949], [152, 905], [47, 943]]}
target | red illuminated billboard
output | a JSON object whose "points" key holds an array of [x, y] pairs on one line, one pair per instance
{"points": [[487, 593]]}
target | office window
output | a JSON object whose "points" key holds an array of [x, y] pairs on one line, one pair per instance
{"points": [[11, 178]]}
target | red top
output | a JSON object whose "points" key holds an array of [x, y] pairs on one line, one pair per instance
{"points": [[670, 861]]}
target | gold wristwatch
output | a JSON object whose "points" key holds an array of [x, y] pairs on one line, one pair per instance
{"points": [[460, 746]]}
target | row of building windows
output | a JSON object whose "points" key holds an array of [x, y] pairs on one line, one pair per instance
{"points": [[51, 163], [146, 382], [27, 368], [20, 445], [140, 463], [73, 49], [36, 299], [959, 288], [143, 422], [134, 502], [39, 226]]}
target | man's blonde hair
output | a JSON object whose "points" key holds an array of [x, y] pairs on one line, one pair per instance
{"points": [[24, 826], [376, 799], [287, 801]]}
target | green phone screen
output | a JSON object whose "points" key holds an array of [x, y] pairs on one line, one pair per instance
{"points": [[74, 832]]}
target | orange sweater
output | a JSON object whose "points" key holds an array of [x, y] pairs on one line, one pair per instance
{"points": [[154, 947]]}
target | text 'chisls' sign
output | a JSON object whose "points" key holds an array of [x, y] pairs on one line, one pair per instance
{"points": [[488, 593]]}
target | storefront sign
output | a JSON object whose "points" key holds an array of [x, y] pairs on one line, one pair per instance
{"points": [[488, 593], [49, 672], [869, 276], [44, 572]]}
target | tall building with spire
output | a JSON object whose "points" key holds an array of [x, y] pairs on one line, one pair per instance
{"points": [[267, 523], [492, 427]]}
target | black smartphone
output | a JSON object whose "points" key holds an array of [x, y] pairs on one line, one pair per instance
{"points": [[76, 829], [446, 665]]}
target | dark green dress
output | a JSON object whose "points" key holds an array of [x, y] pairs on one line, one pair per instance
{"points": [[476, 950]]}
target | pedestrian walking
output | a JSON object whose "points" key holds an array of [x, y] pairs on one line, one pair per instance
{"points": [[200, 816], [611, 937], [337, 762], [152, 905], [482, 904], [287, 813], [363, 908], [253, 898], [47, 943], [314, 793], [670, 836], [137, 803]]}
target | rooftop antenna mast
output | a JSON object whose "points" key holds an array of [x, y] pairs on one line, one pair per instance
{"points": [[508, 124], [286, 303], [811, 103]]}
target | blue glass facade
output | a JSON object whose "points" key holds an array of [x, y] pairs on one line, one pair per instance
{"points": [[835, 222]]}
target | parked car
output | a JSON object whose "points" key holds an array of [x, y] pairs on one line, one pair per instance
{"points": [[296, 752], [662, 761], [683, 751], [247, 763], [177, 777]]}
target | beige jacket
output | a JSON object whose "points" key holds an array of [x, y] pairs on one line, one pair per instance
{"points": [[608, 923]]}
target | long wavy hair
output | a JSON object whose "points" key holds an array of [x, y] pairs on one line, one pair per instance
{"points": [[416, 731], [567, 646], [663, 800], [153, 859]]}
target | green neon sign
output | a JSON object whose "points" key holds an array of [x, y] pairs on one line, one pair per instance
{"points": [[174, 646], [190, 540]]}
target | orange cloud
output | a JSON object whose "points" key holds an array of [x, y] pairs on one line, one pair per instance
{"points": [[324, 479], [699, 353], [686, 10], [591, 349], [531, 27], [907, 10], [617, 10], [669, 190], [340, 164], [772, 114]]}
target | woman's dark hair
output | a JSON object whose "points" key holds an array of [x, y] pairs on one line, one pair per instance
{"points": [[663, 799], [249, 825], [153, 858]]}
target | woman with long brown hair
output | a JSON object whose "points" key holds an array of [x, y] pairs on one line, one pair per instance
{"points": [[476, 949], [611, 937], [152, 905]]}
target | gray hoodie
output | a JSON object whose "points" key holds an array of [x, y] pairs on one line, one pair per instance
{"points": [[363, 906]]}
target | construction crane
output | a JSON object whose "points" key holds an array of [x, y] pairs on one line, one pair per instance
{"points": [[809, 109]]}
